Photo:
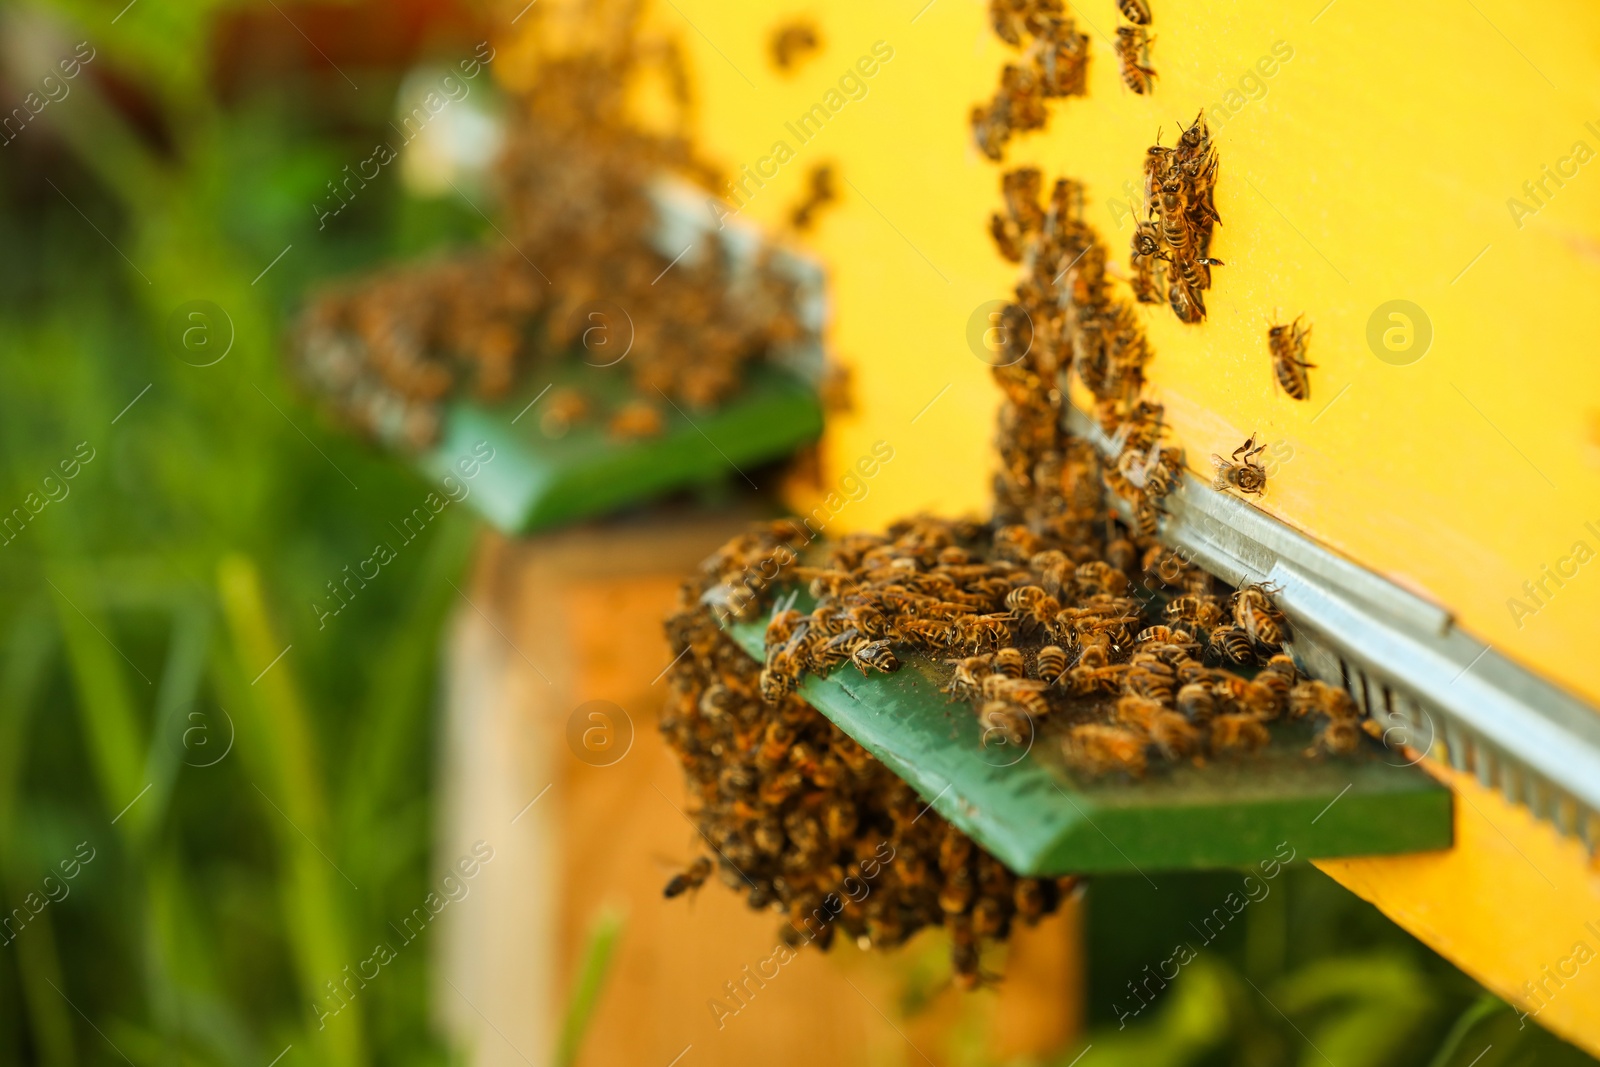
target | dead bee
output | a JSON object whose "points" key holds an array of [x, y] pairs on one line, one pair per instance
{"points": [[691, 877], [792, 41], [1133, 52], [1255, 614], [1135, 11], [1050, 663], [1287, 343], [1242, 472], [1101, 749], [1237, 732]]}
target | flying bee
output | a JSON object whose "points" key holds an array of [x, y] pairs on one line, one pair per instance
{"points": [[1242, 472], [1135, 11], [1287, 343], [1236, 732], [1009, 662], [1233, 643], [1253, 612], [877, 655], [1203, 611], [1050, 663], [1133, 52], [690, 878], [1102, 749]]}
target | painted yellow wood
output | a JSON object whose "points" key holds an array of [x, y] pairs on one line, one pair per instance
{"points": [[1514, 904]]}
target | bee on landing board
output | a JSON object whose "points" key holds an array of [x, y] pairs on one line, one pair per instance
{"points": [[1287, 343], [1242, 472]]}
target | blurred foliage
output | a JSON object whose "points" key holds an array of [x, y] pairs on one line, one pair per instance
{"points": [[231, 814]]}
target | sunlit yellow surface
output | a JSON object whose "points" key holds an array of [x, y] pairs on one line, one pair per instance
{"points": [[1374, 164]]}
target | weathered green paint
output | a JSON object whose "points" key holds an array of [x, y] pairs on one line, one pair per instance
{"points": [[1040, 817], [534, 482]]}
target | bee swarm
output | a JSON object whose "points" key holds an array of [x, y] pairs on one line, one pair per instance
{"points": [[574, 178]]}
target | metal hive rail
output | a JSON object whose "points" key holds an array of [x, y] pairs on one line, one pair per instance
{"points": [[1402, 657]]}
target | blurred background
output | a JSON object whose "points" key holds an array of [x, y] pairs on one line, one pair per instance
{"points": [[247, 795]]}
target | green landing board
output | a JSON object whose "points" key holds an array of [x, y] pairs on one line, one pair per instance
{"points": [[534, 481], [1040, 817]]}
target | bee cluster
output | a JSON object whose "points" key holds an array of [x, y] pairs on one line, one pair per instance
{"points": [[1181, 213], [796, 811], [1133, 45], [1055, 63], [575, 181]]}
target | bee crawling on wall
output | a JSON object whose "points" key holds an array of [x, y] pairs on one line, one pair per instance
{"points": [[1287, 343], [1242, 472], [1133, 51]]}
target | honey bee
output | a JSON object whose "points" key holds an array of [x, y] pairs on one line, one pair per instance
{"points": [[1164, 635], [1254, 613], [877, 655], [1318, 698], [1101, 749], [775, 745], [1009, 721], [691, 877], [968, 675], [1242, 472], [1146, 261], [1233, 643], [1135, 11], [1339, 737], [979, 630], [1287, 343], [927, 634], [636, 419], [1173, 735], [792, 41], [1150, 684], [1026, 692], [1050, 664], [1185, 300], [1032, 605], [1133, 52], [1196, 703], [1009, 662], [1237, 732], [1034, 898], [1203, 611]]}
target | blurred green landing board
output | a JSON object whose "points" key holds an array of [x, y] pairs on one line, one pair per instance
{"points": [[535, 481], [1041, 818]]}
